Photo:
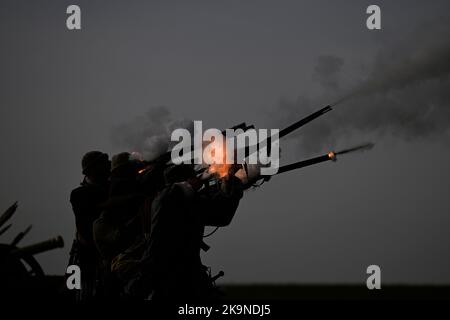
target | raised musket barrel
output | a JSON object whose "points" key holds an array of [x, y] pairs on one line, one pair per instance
{"points": [[305, 163], [57, 242]]}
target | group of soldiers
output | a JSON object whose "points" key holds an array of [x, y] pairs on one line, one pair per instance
{"points": [[140, 227]]}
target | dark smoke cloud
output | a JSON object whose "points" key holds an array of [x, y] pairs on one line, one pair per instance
{"points": [[149, 134], [405, 94], [422, 57], [327, 71]]}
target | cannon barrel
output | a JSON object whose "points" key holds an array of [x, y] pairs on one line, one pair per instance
{"points": [[39, 247]]}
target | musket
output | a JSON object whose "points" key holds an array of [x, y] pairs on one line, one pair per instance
{"points": [[3, 230], [162, 160], [330, 156], [302, 122], [246, 152]]}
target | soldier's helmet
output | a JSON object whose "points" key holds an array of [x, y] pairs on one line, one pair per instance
{"points": [[120, 159], [93, 160]]}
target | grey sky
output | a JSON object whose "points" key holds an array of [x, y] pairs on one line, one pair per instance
{"points": [[225, 62]]}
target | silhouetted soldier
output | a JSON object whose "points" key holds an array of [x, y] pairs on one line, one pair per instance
{"points": [[119, 224], [171, 266], [86, 200]]}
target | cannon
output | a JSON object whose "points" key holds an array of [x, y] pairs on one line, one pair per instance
{"points": [[20, 273]]}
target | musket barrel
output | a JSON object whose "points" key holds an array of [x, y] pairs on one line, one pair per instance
{"points": [[165, 157], [3, 230], [43, 246], [289, 129], [20, 236], [242, 126], [305, 163]]}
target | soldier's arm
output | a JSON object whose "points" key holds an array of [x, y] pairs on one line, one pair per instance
{"points": [[218, 208]]}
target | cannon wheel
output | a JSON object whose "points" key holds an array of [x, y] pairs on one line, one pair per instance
{"points": [[27, 264], [19, 274]]}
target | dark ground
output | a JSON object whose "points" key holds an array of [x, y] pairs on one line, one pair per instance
{"points": [[335, 292], [321, 291]]}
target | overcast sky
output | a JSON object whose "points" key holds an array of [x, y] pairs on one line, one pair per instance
{"points": [[64, 92]]}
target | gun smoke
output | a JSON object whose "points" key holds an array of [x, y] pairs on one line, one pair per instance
{"points": [[360, 148], [404, 94], [149, 134]]}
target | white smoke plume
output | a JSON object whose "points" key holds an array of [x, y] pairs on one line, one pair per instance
{"points": [[405, 94], [149, 134]]}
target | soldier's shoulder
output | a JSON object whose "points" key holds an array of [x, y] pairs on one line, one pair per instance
{"points": [[79, 193], [181, 189], [170, 194]]}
